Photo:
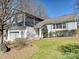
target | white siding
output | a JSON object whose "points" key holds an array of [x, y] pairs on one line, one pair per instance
{"points": [[31, 32], [49, 27], [71, 25]]}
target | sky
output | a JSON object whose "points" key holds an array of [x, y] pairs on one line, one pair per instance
{"points": [[58, 7]]}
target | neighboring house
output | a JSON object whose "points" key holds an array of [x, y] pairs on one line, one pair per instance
{"points": [[67, 22]]}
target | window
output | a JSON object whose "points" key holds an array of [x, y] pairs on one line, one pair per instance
{"points": [[59, 26], [53, 26], [64, 25], [15, 32], [20, 20]]}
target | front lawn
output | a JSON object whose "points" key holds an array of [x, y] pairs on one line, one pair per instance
{"points": [[48, 48]]}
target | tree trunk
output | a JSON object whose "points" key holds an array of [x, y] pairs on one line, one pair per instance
{"points": [[3, 47]]}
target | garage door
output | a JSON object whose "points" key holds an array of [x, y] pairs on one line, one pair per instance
{"points": [[14, 35]]}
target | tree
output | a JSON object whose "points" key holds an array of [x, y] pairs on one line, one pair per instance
{"points": [[77, 10], [3, 8], [5, 12], [30, 6]]}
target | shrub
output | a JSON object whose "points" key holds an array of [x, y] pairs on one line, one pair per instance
{"points": [[63, 33], [59, 33], [71, 51], [45, 31]]}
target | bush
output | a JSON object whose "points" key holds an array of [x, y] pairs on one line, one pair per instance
{"points": [[45, 31], [59, 33], [63, 33], [71, 51]]}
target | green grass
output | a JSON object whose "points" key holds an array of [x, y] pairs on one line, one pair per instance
{"points": [[48, 48]]}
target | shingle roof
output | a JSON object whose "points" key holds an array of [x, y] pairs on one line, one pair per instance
{"points": [[30, 15], [66, 18]]}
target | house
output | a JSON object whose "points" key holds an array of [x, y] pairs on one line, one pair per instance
{"points": [[21, 25], [25, 25], [67, 22]]}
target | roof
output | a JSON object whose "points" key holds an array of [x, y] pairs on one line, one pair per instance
{"points": [[29, 15], [66, 18], [21, 11]]}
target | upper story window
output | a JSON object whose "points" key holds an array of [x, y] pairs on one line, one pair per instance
{"points": [[18, 20]]}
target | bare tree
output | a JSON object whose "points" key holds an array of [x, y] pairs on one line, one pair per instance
{"points": [[41, 11], [5, 12], [77, 10], [24, 5], [77, 6], [33, 8], [7, 8]]}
